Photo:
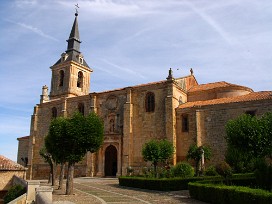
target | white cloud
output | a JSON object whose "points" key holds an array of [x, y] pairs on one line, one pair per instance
{"points": [[34, 30], [125, 70], [210, 21]]}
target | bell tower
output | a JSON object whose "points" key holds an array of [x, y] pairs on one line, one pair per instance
{"points": [[71, 73]]}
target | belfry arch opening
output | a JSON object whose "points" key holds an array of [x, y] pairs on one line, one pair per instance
{"points": [[79, 79], [111, 161]]}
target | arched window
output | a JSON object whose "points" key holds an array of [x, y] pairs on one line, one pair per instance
{"points": [[54, 112], [61, 77], [112, 128], [150, 102], [81, 108], [79, 79]]}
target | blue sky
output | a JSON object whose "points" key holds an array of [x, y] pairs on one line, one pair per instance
{"points": [[128, 42]]}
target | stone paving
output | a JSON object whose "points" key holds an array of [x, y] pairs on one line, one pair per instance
{"points": [[107, 190]]}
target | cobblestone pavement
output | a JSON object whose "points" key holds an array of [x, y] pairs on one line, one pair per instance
{"points": [[107, 190]]}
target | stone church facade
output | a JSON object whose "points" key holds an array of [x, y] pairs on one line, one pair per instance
{"points": [[177, 109]]}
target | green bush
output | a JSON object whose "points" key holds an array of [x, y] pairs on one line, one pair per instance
{"points": [[165, 184], [214, 193], [224, 169], [14, 192], [174, 184], [211, 171], [263, 175], [240, 162], [183, 169]]}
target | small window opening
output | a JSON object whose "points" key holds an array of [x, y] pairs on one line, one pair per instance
{"points": [[81, 108], [185, 123], [54, 112], [150, 102], [81, 60], [79, 79], [251, 112], [61, 77]]}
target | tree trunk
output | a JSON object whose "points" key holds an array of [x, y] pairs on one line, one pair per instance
{"points": [[50, 179], [62, 167], [54, 173], [155, 169], [70, 179]]}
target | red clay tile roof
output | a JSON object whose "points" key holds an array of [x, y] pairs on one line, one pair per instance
{"points": [[216, 85], [254, 96], [136, 86], [21, 138], [7, 164]]}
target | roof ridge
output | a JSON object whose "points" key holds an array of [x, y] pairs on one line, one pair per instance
{"points": [[8, 164], [252, 96]]}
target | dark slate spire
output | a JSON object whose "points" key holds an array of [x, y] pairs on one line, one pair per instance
{"points": [[73, 41], [73, 48]]}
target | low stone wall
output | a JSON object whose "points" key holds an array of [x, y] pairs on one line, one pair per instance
{"points": [[44, 195], [19, 181], [6, 178], [19, 200]]}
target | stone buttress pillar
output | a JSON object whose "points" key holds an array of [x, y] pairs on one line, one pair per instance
{"points": [[170, 116], [127, 156], [33, 132], [200, 129]]}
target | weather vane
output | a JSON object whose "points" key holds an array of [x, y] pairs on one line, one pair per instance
{"points": [[77, 7]]}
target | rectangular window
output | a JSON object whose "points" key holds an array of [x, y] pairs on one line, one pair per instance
{"points": [[251, 112], [185, 123]]}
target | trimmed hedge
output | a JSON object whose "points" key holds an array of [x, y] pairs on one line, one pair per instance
{"points": [[165, 184], [175, 184], [214, 193]]}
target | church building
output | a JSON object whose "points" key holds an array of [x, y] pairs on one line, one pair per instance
{"points": [[177, 109]]}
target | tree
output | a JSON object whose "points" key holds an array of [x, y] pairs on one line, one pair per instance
{"points": [[157, 151], [48, 159], [249, 140], [69, 139], [251, 135], [195, 153], [56, 138]]}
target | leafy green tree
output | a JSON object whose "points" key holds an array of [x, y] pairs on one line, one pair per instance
{"points": [[56, 138], [195, 152], [157, 151], [250, 136], [48, 159], [69, 139]]}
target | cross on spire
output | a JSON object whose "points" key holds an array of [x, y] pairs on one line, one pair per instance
{"points": [[77, 7]]}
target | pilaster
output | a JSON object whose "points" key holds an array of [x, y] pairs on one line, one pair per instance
{"points": [[199, 127], [127, 132], [170, 117]]}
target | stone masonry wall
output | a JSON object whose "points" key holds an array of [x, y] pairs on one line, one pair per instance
{"points": [[22, 150], [6, 178], [213, 120]]}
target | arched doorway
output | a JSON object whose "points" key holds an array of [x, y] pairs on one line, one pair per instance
{"points": [[110, 161]]}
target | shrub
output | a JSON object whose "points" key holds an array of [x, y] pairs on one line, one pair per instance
{"points": [[213, 193], [211, 171], [264, 175], [14, 192], [165, 184], [183, 169], [224, 169], [240, 162]]}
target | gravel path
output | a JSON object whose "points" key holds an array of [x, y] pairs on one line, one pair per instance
{"points": [[107, 190]]}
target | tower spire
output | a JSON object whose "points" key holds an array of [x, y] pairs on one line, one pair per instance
{"points": [[73, 41]]}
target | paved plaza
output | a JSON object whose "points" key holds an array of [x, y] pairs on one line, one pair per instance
{"points": [[107, 190]]}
